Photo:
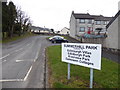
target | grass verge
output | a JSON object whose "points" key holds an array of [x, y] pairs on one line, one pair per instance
{"points": [[6, 40], [107, 77]]}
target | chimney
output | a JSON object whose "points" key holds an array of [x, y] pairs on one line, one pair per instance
{"points": [[72, 12]]}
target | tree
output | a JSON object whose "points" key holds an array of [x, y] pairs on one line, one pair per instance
{"points": [[23, 20], [52, 30], [19, 20], [12, 17], [5, 18], [25, 24], [14, 20]]}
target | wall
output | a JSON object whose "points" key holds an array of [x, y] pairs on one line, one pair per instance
{"points": [[101, 41], [94, 41], [119, 32], [112, 39], [72, 26]]}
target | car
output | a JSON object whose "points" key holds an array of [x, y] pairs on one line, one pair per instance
{"points": [[59, 40], [55, 37]]}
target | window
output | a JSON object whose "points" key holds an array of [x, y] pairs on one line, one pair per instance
{"points": [[89, 21], [82, 29], [98, 22], [89, 28], [82, 20], [105, 22]]}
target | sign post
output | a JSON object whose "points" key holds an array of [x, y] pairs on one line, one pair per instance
{"points": [[68, 71], [91, 77], [87, 55]]}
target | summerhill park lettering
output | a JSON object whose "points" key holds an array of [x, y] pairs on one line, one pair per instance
{"points": [[81, 47]]}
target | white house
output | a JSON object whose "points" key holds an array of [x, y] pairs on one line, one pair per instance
{"points": [[82, 23], [40, 29], [65, 31], [113, 29]]}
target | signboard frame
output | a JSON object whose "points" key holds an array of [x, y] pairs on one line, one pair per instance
{"points": [[80, 53], [87, 55]]}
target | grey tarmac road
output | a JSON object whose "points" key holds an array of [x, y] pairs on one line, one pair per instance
{"points": [[23, 63]]}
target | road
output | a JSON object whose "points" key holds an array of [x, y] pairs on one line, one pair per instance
{"points": [[23, 63]]}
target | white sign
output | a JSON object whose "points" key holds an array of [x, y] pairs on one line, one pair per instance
{"points": [[88, 55]]}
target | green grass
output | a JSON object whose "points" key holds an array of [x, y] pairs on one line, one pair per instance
{"points": [[107, 77], [6, 40]]}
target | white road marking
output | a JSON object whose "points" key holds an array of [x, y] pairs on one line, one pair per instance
{"points": [[5, 56], [28, 44], [44, 53], [27, 73], [37, 55], [34, 60], [11, 80], [18, 50], [19, 60]]}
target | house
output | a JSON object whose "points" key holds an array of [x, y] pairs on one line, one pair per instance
{"points": [[40, 29], [65, 31], [113, 29], [81, 23]]}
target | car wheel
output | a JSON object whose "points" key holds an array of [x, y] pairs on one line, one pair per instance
{"points": [[52, 41], [66, 41]]}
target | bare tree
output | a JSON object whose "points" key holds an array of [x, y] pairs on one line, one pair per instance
{"points": [[23, 20]]}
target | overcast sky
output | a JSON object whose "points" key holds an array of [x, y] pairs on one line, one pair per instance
{"points": [[56, 13]]}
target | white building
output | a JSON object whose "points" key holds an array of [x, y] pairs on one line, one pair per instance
{"points": [[82, 23], [65, 31], [113, 29]]}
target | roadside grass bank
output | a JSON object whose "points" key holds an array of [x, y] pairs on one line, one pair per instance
{"points": [[107, 77], [6, 40]]}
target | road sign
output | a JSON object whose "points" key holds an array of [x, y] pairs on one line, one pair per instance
{"points": [[88, 55]]}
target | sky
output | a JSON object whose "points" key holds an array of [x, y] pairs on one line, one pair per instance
{"points": [[56, 14]]}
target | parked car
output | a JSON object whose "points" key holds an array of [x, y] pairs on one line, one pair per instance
{"points": [[50, 39], [59, 40]]}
